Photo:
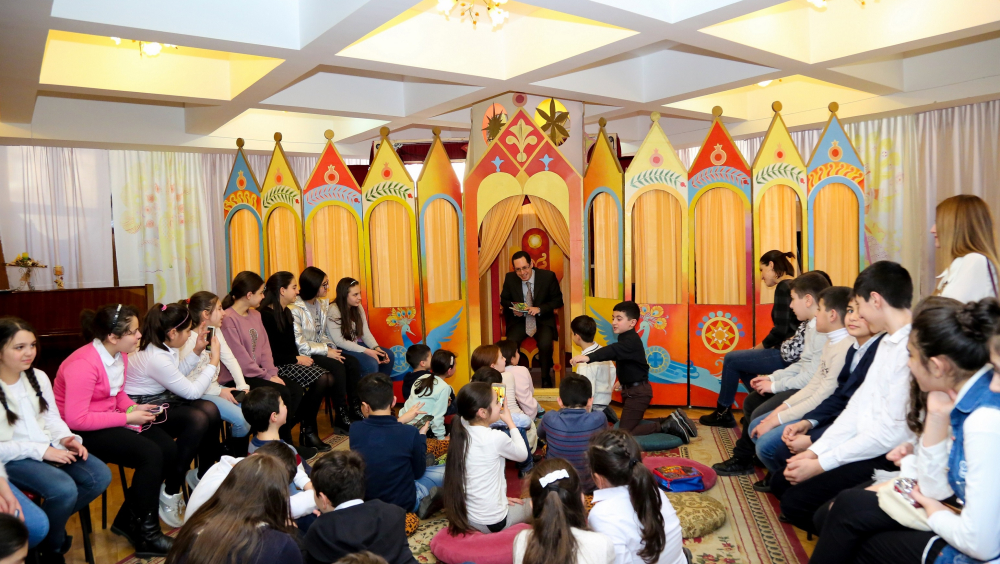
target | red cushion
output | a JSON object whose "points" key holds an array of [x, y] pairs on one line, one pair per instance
{"points": [[708, 475], [495, 548]]}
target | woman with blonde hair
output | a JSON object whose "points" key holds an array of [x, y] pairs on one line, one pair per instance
{"points": [[964, 231]]}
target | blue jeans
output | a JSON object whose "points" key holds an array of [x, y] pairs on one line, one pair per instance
{"points": [[433, 478], [770, 444], [34, 518], [743, 366], [369, 365], [528, 463], [65, 490], [230, 413]]}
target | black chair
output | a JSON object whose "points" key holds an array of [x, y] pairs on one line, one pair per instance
{"points": [[86, 527], [104, 497]]}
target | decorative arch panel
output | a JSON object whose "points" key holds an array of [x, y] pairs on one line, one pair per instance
{"points": [[243, 225], [283, 241]]}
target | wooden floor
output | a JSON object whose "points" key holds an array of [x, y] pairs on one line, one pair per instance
{"points": [[110, 548]]}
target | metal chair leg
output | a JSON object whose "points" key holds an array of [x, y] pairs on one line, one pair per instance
{"points": [[104, 510]]}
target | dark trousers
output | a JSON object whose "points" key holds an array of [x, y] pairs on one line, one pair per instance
{"points": [[346, 375], [800, 502], [743, 366], [754, 406], [857, 530], [151, 453], [196, 427], [544, 337], [635, 400], [291, 394]]}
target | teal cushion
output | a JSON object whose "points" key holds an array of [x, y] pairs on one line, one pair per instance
{"points": [[658, 441]]}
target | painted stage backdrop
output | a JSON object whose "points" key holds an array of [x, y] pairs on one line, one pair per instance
{"points": [[241, 204]]}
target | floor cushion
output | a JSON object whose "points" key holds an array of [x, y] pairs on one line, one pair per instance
{"points": [[495, 548], [658, 441], [700, 514], [438, 447], [708, 475]]}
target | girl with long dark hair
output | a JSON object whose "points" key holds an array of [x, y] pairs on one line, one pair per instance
{"points": [[628, 507], [348, 328], [475, 488], [294, 368], [39, 451], [559, 531], [89, 391]]}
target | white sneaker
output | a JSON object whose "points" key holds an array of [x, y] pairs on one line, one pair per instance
{"points": [[192, 479], [171, 508]]}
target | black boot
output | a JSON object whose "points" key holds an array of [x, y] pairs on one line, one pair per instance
{"points": [[126, 524], [309, 438], [237, 446], [343, 418], [356, 413], [151, 540], [721, 417]]}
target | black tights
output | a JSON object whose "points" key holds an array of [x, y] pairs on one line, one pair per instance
{"points": [[196, 427], [313, 397], [345, 375], [151, 453]]}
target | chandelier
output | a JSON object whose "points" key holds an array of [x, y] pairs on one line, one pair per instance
{"points": [[471, 9]]}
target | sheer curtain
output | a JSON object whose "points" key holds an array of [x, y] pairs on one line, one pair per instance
{"points": [[779, 220], [605, 232], [444, 276], [720, 248], [336, 248], [392, 262], [57, 208], [657, 221]]}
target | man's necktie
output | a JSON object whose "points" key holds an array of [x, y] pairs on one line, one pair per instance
{"points": [[529, 321]]}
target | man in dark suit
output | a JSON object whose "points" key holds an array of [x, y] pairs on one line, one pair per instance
{"points": [[539, 289]]}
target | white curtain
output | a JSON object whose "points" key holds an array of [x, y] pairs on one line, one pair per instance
{"points": [[57, 208]]}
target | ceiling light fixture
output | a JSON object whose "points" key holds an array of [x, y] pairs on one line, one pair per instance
{"points": [[764, 83], [469, 8], [147, 48], [117, 40]]}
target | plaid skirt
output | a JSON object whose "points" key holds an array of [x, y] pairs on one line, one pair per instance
{"points": [[301, 375]]}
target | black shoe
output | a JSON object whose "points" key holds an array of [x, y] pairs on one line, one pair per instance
{"points": [[687, 554], [236, 446], [733, 467], [355, 412], [671, 426], [685, 422], [151, 540], [343, 419], [721, 417], [126, 524], [430, 505], [52, 557], [762, 486], [309, 438], [610, 415], [306, 452], [757, 462], [782, 518]]}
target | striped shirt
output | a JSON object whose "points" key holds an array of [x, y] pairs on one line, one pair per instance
{"points": [[567, 433]]}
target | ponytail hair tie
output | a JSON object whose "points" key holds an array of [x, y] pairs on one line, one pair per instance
{"points": [[553, 477], [163, 307], [632, 462]]}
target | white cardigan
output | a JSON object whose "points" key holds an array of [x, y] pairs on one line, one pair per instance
{"points": [[226, 357], [34, 432], [969, 279]]}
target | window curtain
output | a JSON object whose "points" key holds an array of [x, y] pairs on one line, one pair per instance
{"points": [[392, 264], [444, 277], [779, 224], [657, 220], [57, 208], [335, 244], [604, 246], [244, 243], [495, 229], [160, 202], [836, 236], [283, 235], [720, 249], [216, 168], [553, 221]]}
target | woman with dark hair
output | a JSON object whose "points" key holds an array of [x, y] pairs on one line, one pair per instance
{"points": [[245, 522], [309, 312], [244, 330], [559, 530], [41, 454], [777, 271], [158, 376], [89, 391], [628, 507], [296, 369], [956, 413], [348, 328], [13, 540]]}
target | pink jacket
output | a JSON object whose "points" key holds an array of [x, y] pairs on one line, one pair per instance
{"points": [[83, 392]]}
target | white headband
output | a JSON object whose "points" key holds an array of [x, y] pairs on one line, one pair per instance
{"points": [[553, 477]]}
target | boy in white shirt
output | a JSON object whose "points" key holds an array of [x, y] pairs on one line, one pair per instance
{"points": [[602, 375], [874, 421]]}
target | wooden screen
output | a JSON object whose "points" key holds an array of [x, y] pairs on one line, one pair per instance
{"points": [[392, 261], [720, 248]]}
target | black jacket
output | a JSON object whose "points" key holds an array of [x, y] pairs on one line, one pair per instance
{"points": [[785, 322], [283, 347], [629, 356], [374, 525], [546, 293], [847, 383]]}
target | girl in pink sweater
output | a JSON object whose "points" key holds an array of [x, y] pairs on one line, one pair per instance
{"points": [[89, 393]]}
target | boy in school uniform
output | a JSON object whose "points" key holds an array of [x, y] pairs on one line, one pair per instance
{"points": [[347, 523], [874, 421], [265, 412], [395, 452], [568, 431], [602, 375], [418, 356]]}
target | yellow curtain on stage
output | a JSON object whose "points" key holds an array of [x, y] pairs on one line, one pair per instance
{"points": [[604, 255], [778, 220], [443, 263], [392, 263], [283, 237], [335, 243], [836, 236], [657, 221], [244, 242], [495, 229], [720, 249], [553, 221]]}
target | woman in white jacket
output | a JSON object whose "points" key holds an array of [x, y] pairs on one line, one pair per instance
{"points": [[964, 232]]}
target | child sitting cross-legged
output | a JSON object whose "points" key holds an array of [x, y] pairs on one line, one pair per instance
{"points": [[518, 377], [568, 431], [432, 390], [265, 411], [349, 524], [395, 452]]}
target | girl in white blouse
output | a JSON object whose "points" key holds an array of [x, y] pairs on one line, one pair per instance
{"points": [[559, 532], [628, 507], [964, 232], [158, 375]]}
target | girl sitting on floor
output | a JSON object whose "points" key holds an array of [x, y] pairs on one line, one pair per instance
{"points": [[434, 392], [475, 488]]}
